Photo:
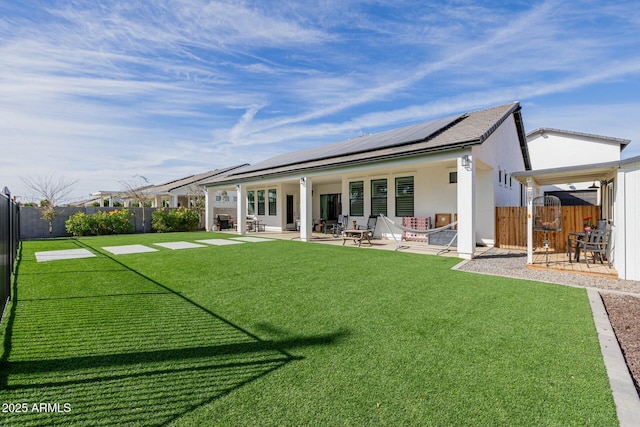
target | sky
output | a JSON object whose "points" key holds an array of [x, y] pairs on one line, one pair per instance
{"points": [[103, 92]]}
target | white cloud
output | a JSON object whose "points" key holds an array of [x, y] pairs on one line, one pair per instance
{"points": [[111, 88]]}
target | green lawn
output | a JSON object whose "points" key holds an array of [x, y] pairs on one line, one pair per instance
{"points": [[289, 333]]}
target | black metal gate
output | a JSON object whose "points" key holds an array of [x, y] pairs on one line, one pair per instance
{"points": [[9, 242]]}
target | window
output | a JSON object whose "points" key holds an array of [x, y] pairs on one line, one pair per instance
{"points": [[251, 202], [218, 198], [356, 198], [609, 201], [330, 206], [260, 202], [272, 201], [404, 196], [378, 197], [453, 177]]}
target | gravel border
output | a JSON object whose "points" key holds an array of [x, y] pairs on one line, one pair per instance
{"points": [[513, 263]]}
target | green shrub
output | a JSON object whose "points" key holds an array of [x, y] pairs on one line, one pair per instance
{"points": [[167, 220], [100, 223], [78, 224]]}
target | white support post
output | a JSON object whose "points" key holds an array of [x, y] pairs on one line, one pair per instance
{"points": [[306, 217], [466, 199], [209, 213], [241, 220], [529, 220]]}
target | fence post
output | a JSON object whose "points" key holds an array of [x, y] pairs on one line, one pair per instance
{"points": [[5, 245]]}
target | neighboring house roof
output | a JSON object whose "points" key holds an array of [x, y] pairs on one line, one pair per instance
{"points": [[192, 180], [541, 131], [449, 133]]}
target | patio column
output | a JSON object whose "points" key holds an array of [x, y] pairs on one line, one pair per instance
{"points": [[241, 220], [466, 207], [208, 211], [174, 201], [529, 220], [306, 216]]}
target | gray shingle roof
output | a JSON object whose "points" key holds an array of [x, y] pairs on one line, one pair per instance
{"points": [[448, 133], [360, 144], [190, 180]]}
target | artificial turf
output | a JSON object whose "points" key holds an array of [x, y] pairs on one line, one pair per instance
{"points": [[292, 333]]}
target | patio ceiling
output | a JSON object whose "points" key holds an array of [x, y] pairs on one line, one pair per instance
{"points": [[583, 173]]}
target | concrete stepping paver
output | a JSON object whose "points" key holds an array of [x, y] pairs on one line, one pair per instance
{"points": [[128, 249], [252, 239], [63, 254], [219, 242], [179, 245]]}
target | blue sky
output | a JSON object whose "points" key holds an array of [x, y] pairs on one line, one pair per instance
{"points": [[102, 91]]}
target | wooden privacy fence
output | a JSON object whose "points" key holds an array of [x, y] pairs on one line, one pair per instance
{"points": [[511, 226]]}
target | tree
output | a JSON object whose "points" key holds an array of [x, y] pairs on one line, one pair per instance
{"points": [[197, 200], [136, 189], [51, 191]]}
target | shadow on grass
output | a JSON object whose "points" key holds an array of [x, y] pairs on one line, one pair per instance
{"points": [[142, 359]]}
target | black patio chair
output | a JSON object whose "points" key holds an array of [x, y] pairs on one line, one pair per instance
{"points": [[597, 244], [371, 225]]}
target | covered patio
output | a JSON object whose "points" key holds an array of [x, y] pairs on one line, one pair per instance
{"points": [[447, 170], [603, 176]]}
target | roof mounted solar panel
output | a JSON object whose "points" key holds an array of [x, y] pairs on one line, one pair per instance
{"points": [[364, 143]]}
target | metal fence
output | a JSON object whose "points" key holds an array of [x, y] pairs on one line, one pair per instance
{"points": [[9, 242]]}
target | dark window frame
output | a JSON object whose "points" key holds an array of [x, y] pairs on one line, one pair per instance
{"points": [[379, 196], [261, 202], [272, 197], [405, 196], [356, 198]]}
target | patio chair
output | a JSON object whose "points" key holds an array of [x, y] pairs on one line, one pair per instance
{"points": [[598, 245], [340, 226], [371, 225]]}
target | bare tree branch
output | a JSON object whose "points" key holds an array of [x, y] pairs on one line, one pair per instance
{"points": [[136, 190], [52, 191], [50, 188]]}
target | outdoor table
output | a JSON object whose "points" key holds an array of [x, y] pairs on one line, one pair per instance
{"points": [[578, 237], [356, 235], [255, 225]]}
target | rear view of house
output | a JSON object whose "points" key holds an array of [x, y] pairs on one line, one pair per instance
{"points": [[457, 167]]}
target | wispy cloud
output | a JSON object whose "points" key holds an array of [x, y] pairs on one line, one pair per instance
{"points": [[152, 87]]}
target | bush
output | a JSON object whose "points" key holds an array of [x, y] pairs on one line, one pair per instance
{"points": [[78, 224], [100, 223], [181, 219]]}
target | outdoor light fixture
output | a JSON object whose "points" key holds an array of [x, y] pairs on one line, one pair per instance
{"points": [[593, 186], [466, 161], [303, 180]]}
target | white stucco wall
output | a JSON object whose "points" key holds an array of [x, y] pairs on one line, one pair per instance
{"points": [[552, 150], [502, 154], [626, 224]]}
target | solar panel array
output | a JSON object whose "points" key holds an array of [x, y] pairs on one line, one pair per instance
{"points": [[390, 138]]}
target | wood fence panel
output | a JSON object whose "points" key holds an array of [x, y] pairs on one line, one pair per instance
{"points": [[511, 227]]}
